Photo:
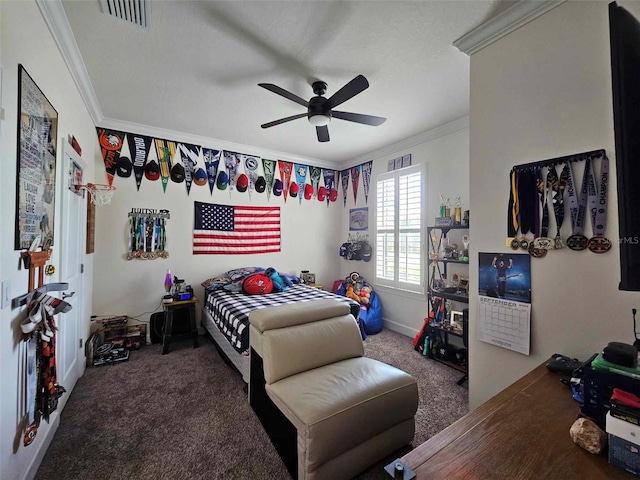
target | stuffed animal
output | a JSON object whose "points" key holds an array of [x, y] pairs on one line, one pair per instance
{"points": [[365, 295], [279, 284], [351, 294]]}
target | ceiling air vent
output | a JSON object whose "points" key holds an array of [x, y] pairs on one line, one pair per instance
{"points": [[134, 11]]}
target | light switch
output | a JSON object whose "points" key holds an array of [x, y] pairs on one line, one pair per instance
{"points": [[6, 293]]}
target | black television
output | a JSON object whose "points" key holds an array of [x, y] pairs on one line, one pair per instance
{"points": [[624, 31]]}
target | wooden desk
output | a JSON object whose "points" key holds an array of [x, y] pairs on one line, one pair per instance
{"points": [[169, 308], [521, 433]]}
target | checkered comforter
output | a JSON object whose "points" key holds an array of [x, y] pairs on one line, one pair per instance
{"points": [[230, 311]]}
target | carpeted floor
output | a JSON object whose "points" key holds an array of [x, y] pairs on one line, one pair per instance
{"points": [[185, 416]]}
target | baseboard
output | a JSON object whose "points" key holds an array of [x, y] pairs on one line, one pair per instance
{"points": [[44, 446], [399, 327]]}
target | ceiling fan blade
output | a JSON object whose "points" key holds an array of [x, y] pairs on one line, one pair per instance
{"points": [[350, 90], [359, 118], [283, 120], [323, 133], [282, 92]]}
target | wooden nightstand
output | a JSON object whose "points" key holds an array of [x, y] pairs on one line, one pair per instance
{"points": [[316, 285], [169, 308]]}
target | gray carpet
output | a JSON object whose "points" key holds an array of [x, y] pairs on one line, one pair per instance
{"points": [[184, 416]]}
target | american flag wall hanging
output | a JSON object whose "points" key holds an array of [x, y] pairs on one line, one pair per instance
{"points": [[232, 229]]}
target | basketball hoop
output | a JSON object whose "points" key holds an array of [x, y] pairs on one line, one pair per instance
{"points": [[100, 194]]}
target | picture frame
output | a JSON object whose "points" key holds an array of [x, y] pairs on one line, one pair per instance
{"points": [[37, 134], [359, 219], [398, 163], [406, 160], [391, 165], [455, 320]]}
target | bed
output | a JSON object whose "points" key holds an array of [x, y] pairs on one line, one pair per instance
{"points": [[225, 316]]}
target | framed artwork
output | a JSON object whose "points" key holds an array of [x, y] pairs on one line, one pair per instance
{"points": [[406, 160], [391, 165], [398, 163], [359, 219], [456, 320], [36, 162]]}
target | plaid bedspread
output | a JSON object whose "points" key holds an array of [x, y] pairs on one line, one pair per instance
{"points": [[230, 311]]}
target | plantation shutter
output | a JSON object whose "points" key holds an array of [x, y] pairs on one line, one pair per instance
{"points": [[399, 229]]}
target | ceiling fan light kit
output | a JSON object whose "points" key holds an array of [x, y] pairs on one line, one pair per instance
{"points": [[320, 109]]}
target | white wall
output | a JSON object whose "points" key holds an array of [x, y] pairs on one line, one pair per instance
{"points": [[445, 151], [25, 39], [133, 287], [541, 92]]}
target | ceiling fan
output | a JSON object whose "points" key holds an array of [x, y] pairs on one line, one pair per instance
{"points": [[320, 109]]}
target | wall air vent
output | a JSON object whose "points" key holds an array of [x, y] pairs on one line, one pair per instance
{"points": [[134, 11]]}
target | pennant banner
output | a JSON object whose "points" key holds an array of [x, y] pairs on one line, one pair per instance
{"points": [[251, 169], [355, 181], [315, 174], [165, 150], [301, 179], [111, 142], [139, 146], [189, 155], [329, 177], [231, 162], [366, 179], [269, 167], [345, 185], [285, 176], [211, 162]]}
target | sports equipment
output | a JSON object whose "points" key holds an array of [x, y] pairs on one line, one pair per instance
{"points": [[100, 194], [320, 109]]}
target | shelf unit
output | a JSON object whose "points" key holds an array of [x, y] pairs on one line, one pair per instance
{"points": [[440, 267]]}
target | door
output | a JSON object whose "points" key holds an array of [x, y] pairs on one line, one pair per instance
{"points": [[70, 357]]}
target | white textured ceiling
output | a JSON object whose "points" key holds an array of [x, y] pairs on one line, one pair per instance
{"points": [[196, 69]]}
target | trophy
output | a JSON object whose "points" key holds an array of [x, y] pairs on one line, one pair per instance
{"points": [[465, 252], [457, 212]]}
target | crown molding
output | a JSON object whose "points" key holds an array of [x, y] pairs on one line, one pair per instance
{"points": [[502, 24], [58, 23], [139, 128], [410, 142]]}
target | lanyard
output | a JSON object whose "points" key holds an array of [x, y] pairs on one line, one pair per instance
{"points": [[577, 207], [558, 188], [598, 207]]}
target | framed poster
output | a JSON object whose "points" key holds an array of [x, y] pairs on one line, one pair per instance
{"points": [[359, 219], [36, 172]]}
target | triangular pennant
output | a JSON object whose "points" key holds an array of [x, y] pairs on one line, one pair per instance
{"points": [[211, 162], [301, 179], [231, 162], [355, 181], [165, 149], [269, 167], [285, 176], [329, 177], [366, 179], [251, 169], [110, 143], [315, 173], [139, 146], [189, 155], [345, 185]]}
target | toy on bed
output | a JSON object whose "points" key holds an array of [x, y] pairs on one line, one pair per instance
{"points": [[234, 280], [356, 288]]}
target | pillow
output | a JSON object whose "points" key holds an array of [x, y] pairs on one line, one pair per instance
{"points": [[238, 273], [215, 282], [234, 287]]}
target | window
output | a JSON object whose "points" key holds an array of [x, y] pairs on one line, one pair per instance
{"points": [[399, 229]]}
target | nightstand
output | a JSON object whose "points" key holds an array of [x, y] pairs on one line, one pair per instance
{"points": [[169, 308]]}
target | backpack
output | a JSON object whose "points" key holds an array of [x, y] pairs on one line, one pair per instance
{"points": [[257, 284]]}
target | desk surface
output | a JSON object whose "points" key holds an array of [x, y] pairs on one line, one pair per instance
{"points": [[521, 433]]}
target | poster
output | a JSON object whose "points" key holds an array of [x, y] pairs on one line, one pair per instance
{"points": [[36, 164], [359, 219], [504, 304]]}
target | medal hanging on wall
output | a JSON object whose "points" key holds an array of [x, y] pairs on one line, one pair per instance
{"points": [[598, 206], [513, 213], [577, 208], [541, 245], [558, 188]]}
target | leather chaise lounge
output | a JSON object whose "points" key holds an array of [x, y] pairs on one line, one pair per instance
{"points": [[330, 411]]}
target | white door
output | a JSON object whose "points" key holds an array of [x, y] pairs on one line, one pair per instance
{"points": [[70, 353]]}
